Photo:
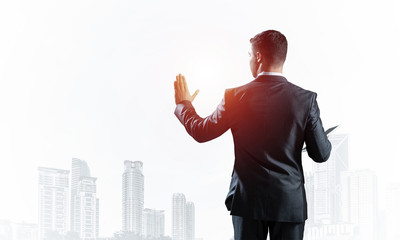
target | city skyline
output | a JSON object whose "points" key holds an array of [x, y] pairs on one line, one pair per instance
{"points": [[351, 195], [80, 206]]}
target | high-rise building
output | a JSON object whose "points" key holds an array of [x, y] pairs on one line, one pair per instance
{"points": [[183, 218], [178, 216], [363, 203], [132, 197], [97, 217], [327, 181], [392, 211], [344, 210], [87, 203], [53, 201], [153, 223], [84, 202], [79, 169], [189, 221]]}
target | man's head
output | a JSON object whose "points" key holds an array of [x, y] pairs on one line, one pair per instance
{"points": [[267, 52]]}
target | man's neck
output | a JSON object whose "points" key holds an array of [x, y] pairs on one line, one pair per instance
{"points": [[264, 68], [270, 74]]}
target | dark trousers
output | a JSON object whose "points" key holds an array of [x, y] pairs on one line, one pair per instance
{"points": [[250, 229]]}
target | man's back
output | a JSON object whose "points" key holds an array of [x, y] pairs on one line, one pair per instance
{"points": [[270, 119]]}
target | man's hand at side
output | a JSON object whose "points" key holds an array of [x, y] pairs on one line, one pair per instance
{"points": [[181, 90]]}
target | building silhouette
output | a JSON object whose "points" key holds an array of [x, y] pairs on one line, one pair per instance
{"points": [[84, 201], [53, 201], [364, 203], [153, 223], [88, 204], [132, 197], [189, 221], [79, 168], [178, 216], [393, 211], [183, 218], [327, 182]]}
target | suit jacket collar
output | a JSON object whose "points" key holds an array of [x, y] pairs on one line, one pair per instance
{"points": [[274, 78]]}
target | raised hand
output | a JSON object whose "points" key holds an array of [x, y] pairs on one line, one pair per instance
{"points": [[181, 90]]}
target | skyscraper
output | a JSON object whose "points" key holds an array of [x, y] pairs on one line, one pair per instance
{"points": [[153, 223], [97, 217], [183, 218], [363, 203], [178, 216], [327, 181], [53, 201], [132, 197], [393, 211], [84, 202], [79, 169], [344, 210], [87, 203], [189, 221]]}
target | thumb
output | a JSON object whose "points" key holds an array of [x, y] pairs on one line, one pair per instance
{"points": [[194, 95]]}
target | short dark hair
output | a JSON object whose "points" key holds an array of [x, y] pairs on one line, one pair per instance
{"points": [[272, 45]]}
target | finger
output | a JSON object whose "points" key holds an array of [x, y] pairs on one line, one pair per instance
{"points": [[181, 83], [195, 94], [176, 83], [185, 83]]}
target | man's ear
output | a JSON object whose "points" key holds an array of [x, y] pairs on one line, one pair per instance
{"points": [[258, 57]]}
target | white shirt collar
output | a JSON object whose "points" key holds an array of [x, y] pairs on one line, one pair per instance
{"points": [[270, 74]]}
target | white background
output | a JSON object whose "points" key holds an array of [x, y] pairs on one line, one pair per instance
{"points": [[94, 80]]}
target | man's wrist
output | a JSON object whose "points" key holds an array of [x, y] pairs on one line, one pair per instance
{"points": [[183, 101]]}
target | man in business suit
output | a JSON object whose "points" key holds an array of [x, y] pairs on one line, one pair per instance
{"points": [[270, 119]]}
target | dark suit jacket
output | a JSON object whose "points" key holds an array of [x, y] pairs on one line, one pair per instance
{"points": [[270, 119]]}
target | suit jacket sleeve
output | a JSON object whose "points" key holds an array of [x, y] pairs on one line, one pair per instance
{"points": [[318, 145], [204, 129]]}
